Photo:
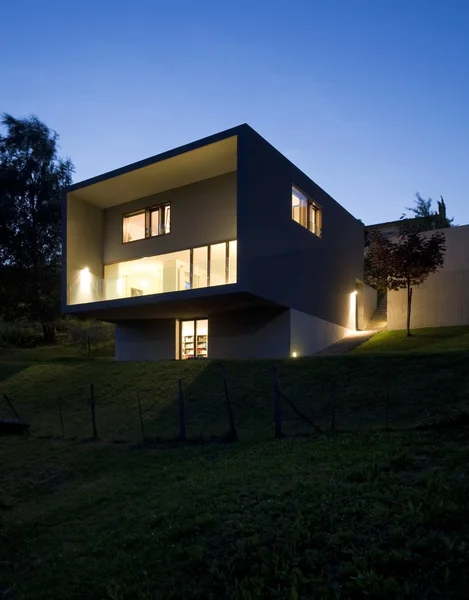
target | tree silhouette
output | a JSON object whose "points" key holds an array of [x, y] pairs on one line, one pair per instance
{"points": [[32, 178], [404, 262]]}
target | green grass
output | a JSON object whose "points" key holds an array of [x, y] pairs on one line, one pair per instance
{"points": [[364, 513], [429, 340]]}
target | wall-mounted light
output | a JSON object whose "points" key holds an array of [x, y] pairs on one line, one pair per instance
{"points": [[85, 276], [294, 354]]}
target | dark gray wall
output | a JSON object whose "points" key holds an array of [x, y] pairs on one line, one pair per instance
{"points": [[258, 333], [201, 213], [280, 260], [153, 339]]}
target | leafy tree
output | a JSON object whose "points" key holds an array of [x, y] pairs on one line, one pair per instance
{"points": [[425, 218], [32, 178], [404, 262]]}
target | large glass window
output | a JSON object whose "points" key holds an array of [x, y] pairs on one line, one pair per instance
{"points": [[173, 272], [306, 212], [194, 339], [218, 264], [134, 226], [200, 267], [145, 223]]}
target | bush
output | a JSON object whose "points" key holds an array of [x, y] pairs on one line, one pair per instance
{"points": [[20, 334], [87, 335]]}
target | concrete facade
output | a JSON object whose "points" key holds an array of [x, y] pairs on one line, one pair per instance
{"points": [[295, 291], [366, 305], [443, 299]]}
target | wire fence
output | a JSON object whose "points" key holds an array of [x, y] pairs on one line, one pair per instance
{"points": [[231, 401]]}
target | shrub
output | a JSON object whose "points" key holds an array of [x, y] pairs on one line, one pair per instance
{"points": [[20, 334], [86, 335]]}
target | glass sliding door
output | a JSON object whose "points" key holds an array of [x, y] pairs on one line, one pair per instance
{"points": [[218, 264], [187, 339], [201, 338], [194, 339], [200, 267]]}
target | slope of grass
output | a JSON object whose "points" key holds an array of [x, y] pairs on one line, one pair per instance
{"points": [[364, 391], [353, 516], [422, 341]]}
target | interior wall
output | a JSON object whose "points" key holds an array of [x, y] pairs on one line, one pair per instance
{"points": [[84, 230], [443, 299], [278, 258], [310, 334], [152, 339], [201, 213], [250, 333]]}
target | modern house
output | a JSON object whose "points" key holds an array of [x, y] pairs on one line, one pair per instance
{"points": [[221, 248]]}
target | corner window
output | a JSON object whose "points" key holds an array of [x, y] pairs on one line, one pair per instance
{"points": [[306, 212], [146, 223]]}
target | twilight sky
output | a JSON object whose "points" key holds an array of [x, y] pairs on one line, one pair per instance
{"points": [[370, 98]]}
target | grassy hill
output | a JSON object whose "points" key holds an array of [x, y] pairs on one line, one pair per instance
{"points": [[360, 513]]}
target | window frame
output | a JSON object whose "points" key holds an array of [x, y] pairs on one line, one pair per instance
{"points": [[311, 207], [148, 211]]}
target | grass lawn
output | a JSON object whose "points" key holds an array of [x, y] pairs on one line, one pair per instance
{"points": [[364, 513], [429, 340]]}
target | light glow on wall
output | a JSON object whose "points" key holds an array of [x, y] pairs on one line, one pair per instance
{"points": [[294, 354], [352, 318], [85, 276]]}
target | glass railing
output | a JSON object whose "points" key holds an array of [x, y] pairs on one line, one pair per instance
{"points": [[88, 288]]}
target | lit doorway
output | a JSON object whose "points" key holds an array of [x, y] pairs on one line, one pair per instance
{"points": [[194, 339]]}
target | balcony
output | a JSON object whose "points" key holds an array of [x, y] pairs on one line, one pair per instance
{"points": [[177, 276]]}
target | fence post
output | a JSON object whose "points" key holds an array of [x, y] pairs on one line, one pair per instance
{"points": [[386, 400], [61, 416], [182, 413], [233, 432], [277, 408], [93, 411], [141, 419]]}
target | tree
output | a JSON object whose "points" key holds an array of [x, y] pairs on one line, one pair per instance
{"points": [[86, 335], [32, 178], [425, 217], [405, 262]]}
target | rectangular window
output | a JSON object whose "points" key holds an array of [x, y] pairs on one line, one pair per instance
{"points": [[146, 223], [134, 226], [306, 212]]}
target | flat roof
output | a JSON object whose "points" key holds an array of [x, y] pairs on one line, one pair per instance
{"points": [[205, 158]]}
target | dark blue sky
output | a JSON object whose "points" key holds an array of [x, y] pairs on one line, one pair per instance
{"points": [[369, 97]]}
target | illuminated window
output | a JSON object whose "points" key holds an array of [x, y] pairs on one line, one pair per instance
{"points": [[134, 226], [160, 220], [146, 223], [306, 212]]}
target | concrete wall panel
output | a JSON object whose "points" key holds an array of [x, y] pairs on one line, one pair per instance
{"points": [[367, 303], [279, 259], [201, 213], [84, 244], [250, 334], [153, 339], [443, 299], [310, 334]]}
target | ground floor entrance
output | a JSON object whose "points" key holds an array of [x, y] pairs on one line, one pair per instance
{"points": [[193, 341]]}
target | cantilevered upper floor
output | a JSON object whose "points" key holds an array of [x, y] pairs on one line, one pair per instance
{"points": [[166, 224], [214, 225]]}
